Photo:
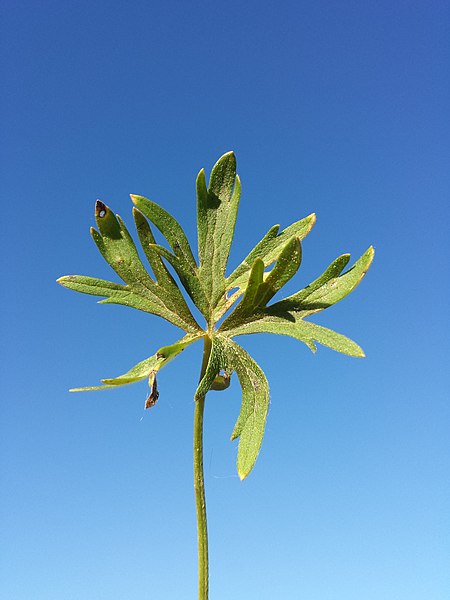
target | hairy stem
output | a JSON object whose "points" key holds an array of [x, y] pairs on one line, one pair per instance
{"points": [[199, 484]]}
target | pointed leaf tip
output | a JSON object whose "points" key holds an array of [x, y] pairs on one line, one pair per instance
{"points": [[217, 206], [100, 209]]}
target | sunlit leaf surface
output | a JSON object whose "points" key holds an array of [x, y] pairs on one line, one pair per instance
{"points": [[214, 293]]}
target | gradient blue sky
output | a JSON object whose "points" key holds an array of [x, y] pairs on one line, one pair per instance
{"points": [[338, 108]]}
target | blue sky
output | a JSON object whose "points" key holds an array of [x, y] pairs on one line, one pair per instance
{"points": [[338, 108]]}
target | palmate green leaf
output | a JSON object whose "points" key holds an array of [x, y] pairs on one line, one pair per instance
{"points": [[213, 293], [217, 208], [146, 367], [228, 356], [268, 250]]}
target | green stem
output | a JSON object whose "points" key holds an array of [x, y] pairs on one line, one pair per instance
{"points": [[199, 484]]}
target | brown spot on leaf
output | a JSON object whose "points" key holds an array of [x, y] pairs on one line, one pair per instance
{"points": [[100, 209], [255, 384]]}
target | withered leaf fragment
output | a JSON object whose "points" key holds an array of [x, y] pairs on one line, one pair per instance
{"points": [[154, 394]]}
